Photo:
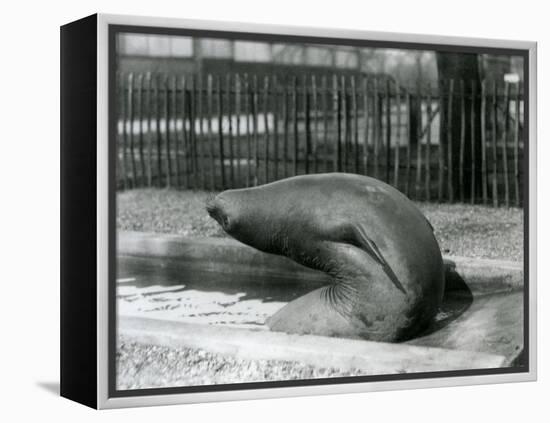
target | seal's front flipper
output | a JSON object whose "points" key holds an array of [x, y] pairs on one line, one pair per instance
{"points": [[312, 314], [357, 236]]}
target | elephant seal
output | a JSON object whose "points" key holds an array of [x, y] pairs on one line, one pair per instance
{"points": [[378, 248]]}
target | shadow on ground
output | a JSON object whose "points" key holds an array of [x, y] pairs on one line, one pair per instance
{"points": [[51, 387], [457, 298]]}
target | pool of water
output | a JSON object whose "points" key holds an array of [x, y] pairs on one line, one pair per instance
{"points": [[164, 289]]}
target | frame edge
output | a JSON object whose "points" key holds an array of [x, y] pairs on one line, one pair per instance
{"points": [[78, 307]]}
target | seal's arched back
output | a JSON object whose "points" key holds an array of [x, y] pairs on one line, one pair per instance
{"points": [[379, 249]]}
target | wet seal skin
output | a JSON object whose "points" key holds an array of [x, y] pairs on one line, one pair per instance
{"points": [[377, 247]]}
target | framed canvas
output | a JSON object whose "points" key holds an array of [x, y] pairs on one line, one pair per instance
{"points": [[252, 211]]}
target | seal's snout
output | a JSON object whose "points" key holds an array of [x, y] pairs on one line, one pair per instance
{"points": [[210, 204], [213, 207], [217, 211]]}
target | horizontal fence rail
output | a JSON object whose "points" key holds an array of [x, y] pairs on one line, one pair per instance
{"points": [[454, 141]]}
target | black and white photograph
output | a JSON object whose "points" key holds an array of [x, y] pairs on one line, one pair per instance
{"points": [[298, 210], [277, 212]]}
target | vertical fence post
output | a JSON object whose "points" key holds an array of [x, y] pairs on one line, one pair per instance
{"points": [[192, 132], [419, 144], [118, 130], [188, 132], [483, 138], [140, 95], [176, 132], [355, 118], [428, 142], [266, 129], [376, 129], [171, 136], [248, 108], [516, 146], [388, 129], [462, 140], [366, 117], [149, 114], [285, 128], [450, 186], [444, 121], [473, 144], [397, 136], [295, 124], [167, 131], [131, 124], [230, 132], [315, 124], [158, 112], [196, 130], [177, 139], [255, 127], [409, 137], [209, 130], [185, 146], [494, 143], [275, 108], [201, 94], [348, 99], [221, 151], [506, 111], [337, 165], [345, 126], [238, 125], [307, 124], [324, 90], [124, 161]]}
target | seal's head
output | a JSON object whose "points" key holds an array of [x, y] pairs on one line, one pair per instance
{"points": [[232, 209], [246, 215]]}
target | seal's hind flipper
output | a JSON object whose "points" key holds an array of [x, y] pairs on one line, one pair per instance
{"points": [[356, 235]]}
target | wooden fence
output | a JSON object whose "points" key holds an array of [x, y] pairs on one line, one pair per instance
{"points": [[458, 141]]}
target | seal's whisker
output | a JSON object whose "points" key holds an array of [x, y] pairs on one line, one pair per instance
{"points": [[209, 202], [210, 196]]}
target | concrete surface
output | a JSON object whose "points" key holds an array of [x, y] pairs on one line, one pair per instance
{"points": [[347, 354]]}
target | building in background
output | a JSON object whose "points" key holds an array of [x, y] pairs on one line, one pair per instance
{"points": [[175, 54], [189, 55]]}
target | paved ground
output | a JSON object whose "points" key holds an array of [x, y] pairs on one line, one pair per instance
{"points": [[143, 366], [462, 230]]}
